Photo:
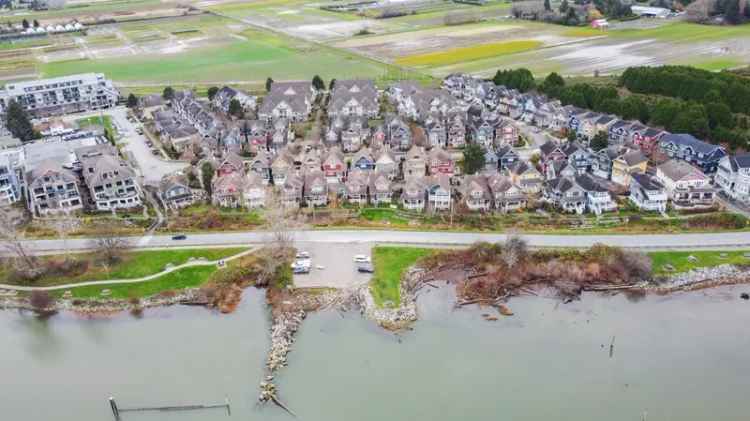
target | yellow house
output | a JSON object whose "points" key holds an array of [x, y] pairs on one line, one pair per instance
{"points": [[632, 162]]}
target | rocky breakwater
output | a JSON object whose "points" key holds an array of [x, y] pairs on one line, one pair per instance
{"points": [[388, 316], [706, 277]]}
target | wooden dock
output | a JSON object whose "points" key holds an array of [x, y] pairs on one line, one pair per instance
{"points": [[117, 411]]}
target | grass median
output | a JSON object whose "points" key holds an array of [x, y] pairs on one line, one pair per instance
{"points": [[390, 264]]}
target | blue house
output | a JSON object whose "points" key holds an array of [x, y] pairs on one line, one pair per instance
{"points": [[697, 152]]}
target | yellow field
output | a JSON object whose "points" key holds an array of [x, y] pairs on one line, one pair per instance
{"points": [[465, 54]]}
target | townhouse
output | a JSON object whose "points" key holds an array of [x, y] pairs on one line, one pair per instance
{"points": [[733, 177], [689, 149], [354, 98], [647, 193], [686, 185], [288, 100], [111, 182]]}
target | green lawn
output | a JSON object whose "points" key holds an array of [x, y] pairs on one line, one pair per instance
{"points": [[135, 265], [101, 121], [679, 259], [383, 215], [184, 278], [390, 264]]}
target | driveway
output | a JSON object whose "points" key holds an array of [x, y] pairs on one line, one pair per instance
{"points": [[337, 262], [152, 168]]}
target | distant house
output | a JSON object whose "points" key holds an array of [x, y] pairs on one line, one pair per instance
{"points": [[175, 191], [379, 188], [647, 193], [578, 195], [476, 193], [232, 163], [354, 98], [225, 95], [439, 162], [413, 195], [415, 164], [439, 192], [646, 138], [288, 100], [506, 156], [316, 189], [355, 188], [227, 190], [333, 166], [291, 191], [627, 164], [261, 165], [363, 160], [386, 164], [697, 152], [526, 176], [733, 177], [506, 195], [254, 191], [685, 184]]}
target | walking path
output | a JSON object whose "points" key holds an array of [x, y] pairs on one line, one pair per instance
{"points": [[128, 281]]}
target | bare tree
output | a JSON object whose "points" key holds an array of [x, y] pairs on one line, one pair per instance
{"points": [[12, 240], [279, 222], [109, 244], [515, 250]]}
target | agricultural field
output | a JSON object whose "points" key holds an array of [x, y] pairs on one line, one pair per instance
{"points": [[91, 11]]}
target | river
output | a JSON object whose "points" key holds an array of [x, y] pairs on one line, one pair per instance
{"points": [[683, 357]]}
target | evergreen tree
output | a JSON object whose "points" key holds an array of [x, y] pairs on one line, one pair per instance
{"points": [[473, 159], [18, 123], [331, 84], [235, 108], [212, 91], [732, 11], [599, 141], [269, 82], [132, 101], [318, 83], [552, 83], [168, 93], [36, 23], [25, 24], [207, 176]]}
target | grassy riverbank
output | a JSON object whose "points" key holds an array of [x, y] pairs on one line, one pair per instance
{"points": [[390, 264], [681, 261], [188, 277], [88, 267]]}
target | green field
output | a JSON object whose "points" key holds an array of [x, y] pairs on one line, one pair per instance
{"points": [[261, 56], [679, 260], [390, 264], [684, 32]]}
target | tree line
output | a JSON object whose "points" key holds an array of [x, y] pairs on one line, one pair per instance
{"points": [[693, 101]]}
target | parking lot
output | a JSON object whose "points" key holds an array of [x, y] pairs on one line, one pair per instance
{"points": [[333, 265]]}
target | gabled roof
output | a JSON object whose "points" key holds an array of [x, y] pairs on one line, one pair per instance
{"points": [[688, 140], [633, 158], [646, 181], [740, 161], [676, 169]]}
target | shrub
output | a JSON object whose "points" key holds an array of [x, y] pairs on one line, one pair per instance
{"points": [[41, 301]]}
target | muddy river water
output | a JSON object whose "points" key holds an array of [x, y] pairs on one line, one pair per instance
{"points": [[684, 357]]}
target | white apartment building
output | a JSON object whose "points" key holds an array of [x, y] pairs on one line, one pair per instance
{"points": [[61, 95]]}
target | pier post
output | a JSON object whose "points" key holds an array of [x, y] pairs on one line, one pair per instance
{"points": [[229, 409], [115, 410]]}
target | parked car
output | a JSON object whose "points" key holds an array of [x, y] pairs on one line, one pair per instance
{"points": [[365, 268], [179, 237], [303, 255], [361, 258]]}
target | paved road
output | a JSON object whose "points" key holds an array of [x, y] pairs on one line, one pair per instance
{"points": [[659, 241]]}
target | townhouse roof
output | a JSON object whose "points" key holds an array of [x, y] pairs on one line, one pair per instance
{"points": [[690, 141], [676, 169]]}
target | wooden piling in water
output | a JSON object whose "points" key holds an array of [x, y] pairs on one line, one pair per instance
{"points": [[115, 410]]}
